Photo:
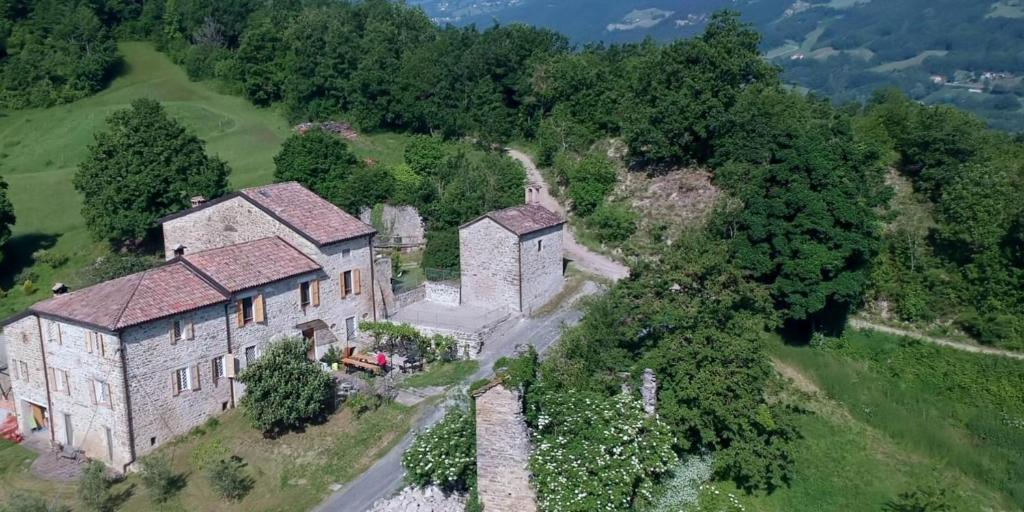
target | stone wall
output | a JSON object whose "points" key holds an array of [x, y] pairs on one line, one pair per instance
{"points": [[158, 413], [397, 221], [503, 452], [444, 292], [490, 265], [541, 263], [408, 297], [468, 342], [67, 351], [384, 294]]}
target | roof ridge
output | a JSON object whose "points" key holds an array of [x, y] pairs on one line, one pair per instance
{"points": [[203, 276]]}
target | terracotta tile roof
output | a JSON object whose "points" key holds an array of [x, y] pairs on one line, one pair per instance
{"points": [[523, 219], [248, 264], [134, 299], [307, 213]]}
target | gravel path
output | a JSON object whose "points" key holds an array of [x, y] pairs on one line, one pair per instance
{"points": [[584, 258], [860, 323]]}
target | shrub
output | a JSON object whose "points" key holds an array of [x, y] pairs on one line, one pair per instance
{"points": [[925, 498], [590, 181], [49, 258], [208, 454], [284, 389], [28, 288], [332, 356], [597, 453], [445, 454], [159, 478], [363, 402], [612, 222], [94, 488], [230, 479], [23, 502], [682, 489]]}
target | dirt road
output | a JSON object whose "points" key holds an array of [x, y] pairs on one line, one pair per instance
{"points": [[860, 323], [584, 258]]}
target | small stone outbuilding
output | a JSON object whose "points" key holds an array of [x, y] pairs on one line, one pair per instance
{"points": [[512, 258]]}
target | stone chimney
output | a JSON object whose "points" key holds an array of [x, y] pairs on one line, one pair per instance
{"points": [[179, 250], [198, 200], [649, 392], [59, 289]]}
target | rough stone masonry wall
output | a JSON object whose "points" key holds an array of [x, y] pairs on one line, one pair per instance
{"points": [[541, 257], [66, 350], [444, 292], [233, 221], [503, 453], [403, 221], [489, 261], [157, 414]]}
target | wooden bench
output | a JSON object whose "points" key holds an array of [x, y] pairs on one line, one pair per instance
{"points": [[361, 364]]}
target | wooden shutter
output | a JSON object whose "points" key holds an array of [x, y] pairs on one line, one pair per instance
{"points": [[195, 378], [260, 313], [170, 334], [60, 335], [314, 291], [102, 344], [89, 336], [53, 378], [341, 281], [92, 391], [191, 330], [357, 281], [67, 383], [241, 314]]}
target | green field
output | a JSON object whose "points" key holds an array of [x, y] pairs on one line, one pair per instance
{"points": [[40, 149], [887, 414]]}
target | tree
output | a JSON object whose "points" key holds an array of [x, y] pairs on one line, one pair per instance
{"points": [[94, 488], [159, 478], [284, 389], [681, 91], [7, 217], [229, 478], [144, 166], [315, 159], [807, 227], [590, 179]]}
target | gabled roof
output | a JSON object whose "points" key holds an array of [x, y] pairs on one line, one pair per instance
{"points": [[522, 220], [248, 264], [131, 300], [309, 215]]}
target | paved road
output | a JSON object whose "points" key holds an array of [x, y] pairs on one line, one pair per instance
{"points": [[584, 258], [384, 478], [860, 323]]}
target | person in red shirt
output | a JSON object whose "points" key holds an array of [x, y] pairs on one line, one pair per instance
{"points": [[382, 360]]}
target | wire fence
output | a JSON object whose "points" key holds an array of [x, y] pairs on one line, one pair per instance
{"points": [[441, 274]]}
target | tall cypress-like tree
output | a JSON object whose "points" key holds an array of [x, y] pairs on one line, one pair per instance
{"points": [[144, 166]]}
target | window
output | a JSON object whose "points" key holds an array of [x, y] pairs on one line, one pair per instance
{"points": [[182, 380], [304, 294], [540, 245], [53, 332], [346, 283], [101, 392], [176, 333], [247, 310], [23, 371], [345, 253], [250, 355], [219, 370], [350, 328], [60, 381]]}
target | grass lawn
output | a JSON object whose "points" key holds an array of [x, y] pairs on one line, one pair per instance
{"points": [[293, 472], [442, 374], [888, 414], [41, 148]]}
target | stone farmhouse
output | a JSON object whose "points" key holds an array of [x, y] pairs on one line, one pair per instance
{"points": [[119, 368], [512, 258]]}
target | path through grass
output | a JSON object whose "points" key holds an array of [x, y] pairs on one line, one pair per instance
{"points": [[892, 414]]}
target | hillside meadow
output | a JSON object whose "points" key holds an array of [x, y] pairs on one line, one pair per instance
{"points": [[41, 148]]}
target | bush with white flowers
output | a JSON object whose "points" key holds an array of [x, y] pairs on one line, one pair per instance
{"points": [[597, 453], [445, 454]]}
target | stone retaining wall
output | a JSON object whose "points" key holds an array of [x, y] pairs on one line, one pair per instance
{"points": [[444, 292], [503, 452]]}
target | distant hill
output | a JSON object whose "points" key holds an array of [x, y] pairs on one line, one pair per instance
{"points": [[965, 52]]}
